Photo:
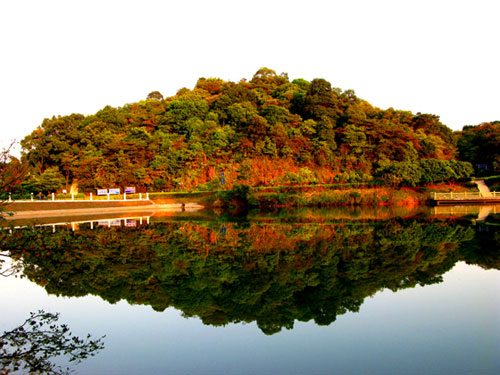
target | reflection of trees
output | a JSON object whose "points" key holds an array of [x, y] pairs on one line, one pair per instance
{"points": [[484, 249], [270, 273], [7, 266], [34, 344]]}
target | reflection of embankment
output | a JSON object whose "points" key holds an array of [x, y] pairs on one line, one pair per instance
{"points": [[478, 212], [67, 217], [339, 214], [73, 220], [243, 272], [178, 212], [32, 211], [189, 212]]}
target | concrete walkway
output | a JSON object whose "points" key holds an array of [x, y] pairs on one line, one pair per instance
{"points": [[483, 188]]}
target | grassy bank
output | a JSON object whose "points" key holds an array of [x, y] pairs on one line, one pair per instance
{"points": [[327, 196], [334, 197]]}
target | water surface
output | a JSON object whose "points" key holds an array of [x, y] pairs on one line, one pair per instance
{"points": [[303, 292]]}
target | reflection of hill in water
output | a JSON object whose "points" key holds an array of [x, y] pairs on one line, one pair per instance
{"points": [[268, 271], [292, 214]]}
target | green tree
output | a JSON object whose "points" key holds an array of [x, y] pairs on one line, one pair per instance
{"points": [[268, 79], [481, 145], [34, 344], [49, 181], [155, 95], [407, 173], [321, 100]]}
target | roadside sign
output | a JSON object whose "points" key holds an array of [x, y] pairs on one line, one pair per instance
{"points": [[102, 191], [115, 223], [130, 190], [114, 191]]}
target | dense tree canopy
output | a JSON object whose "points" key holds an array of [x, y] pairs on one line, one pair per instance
{"points": [[481, 145], [255, 131]]}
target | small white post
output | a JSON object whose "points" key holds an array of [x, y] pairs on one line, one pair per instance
{"points": [[147, 220], [91, 225], [10, 198], [53, 228], [53, 196], [32, 197], [108, 196], [140, 196], [72, 196], [124, 196], [90, 196], [147, 197]]}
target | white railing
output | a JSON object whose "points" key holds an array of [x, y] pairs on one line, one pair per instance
{"points": [[108, 197], [120, 221], [466, 196]]}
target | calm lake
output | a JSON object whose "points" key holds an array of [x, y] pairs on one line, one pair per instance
{"points": [[382, 291]]}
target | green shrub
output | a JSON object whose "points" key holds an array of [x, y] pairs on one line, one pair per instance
{"points": [[353, 177], [413, 173], [407, 173], [239, 192], [303, 176]]}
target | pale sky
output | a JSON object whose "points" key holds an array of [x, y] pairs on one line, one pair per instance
{"points": [[62, 57]]}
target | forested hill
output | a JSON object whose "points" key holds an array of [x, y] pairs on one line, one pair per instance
{"points": [[268, 130]]}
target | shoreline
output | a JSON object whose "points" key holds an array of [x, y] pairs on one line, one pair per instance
{"points": [[72, 211], [231, 199]]}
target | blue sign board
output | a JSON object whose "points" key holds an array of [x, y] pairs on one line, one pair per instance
{"points": [[102, 191]]}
